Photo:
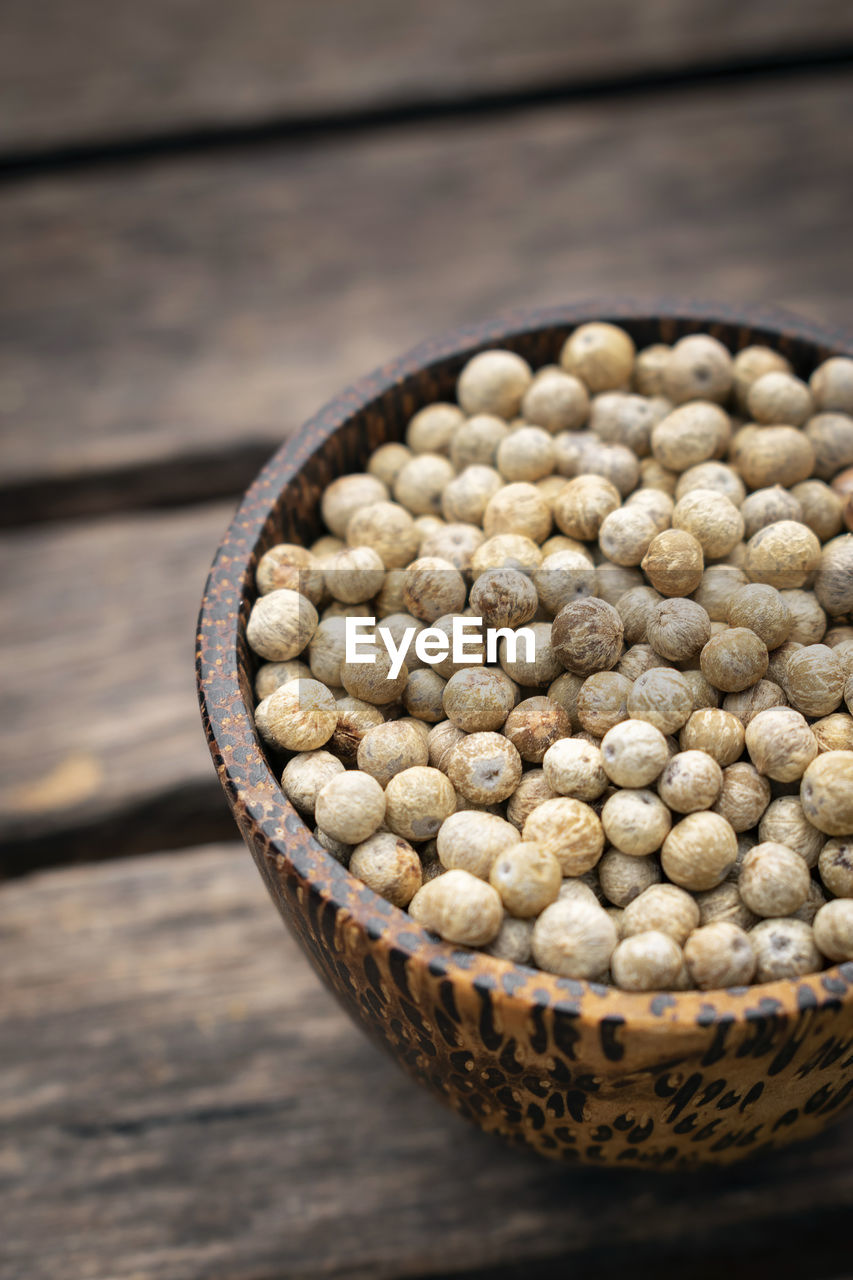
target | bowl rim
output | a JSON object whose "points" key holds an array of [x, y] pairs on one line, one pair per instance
{"points": [[252, 789]]}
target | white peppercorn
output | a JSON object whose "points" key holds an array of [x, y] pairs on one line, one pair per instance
{"points": [[618, 417], [431, 429], [821, 508], [734, 659], [372, 681], [389, 866], [355, 719], [350, 806], [724, 903], [633, 753], [784, 822], [718, 733], [625, 535], [478, 699], [526, 455], [835, 866], [327, 650], [484, 768], [570, 830], [774, 880], [624, 878], [513, 941], [541, 668], [699, 851], [272, 675], [518, 508], [768, 506], [582, 505], [423, 695], [460, 908], [833, 929], [662, 697], [782, 554], [417, 801], [784, 949], [421, 482], [698, 367], [298, 716], [387, 749], [636, 822], [354, 575], [808, 620], [649, 961], [532, 790], [779, 397], [506, 550], [781, 745], [834, 582], [814, 680], [562, 577], [831, 385], [281, 624], [602, 702], [719, 955], [834, 732], [690, 434], [433, 587], [305, 775], [674, 562], [587, 636], [744, 797], [573, 938], [772, 455], [760, 608], [527, 877], [691, 780], [677, 628], [601, 355], [745, 706], [466, 496], [470, 841], [703, 694], [533, 725], [504, 598], [345, 495], [494, 382], [386, 464]]}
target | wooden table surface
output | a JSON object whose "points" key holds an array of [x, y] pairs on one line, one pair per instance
{"points": [[211, 218]]}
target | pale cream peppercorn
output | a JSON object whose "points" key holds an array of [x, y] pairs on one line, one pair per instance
{"points": [[648, 368], [291, 567], [350, 807], [573, 938], [772, 455], [570, 830], [527, 877], [389, 529], [433, 587], [703, 694], [677, 628], [586, 636], [774, 880], [389, 748], [466, 496], [637, 660], [750, 364], [835, 866], [423, 695], [532, 790], [339, 849], [744, 797], [513, 941], [562, 577], [327, 650], [760, 608], [691, 780], [372, 681], [716, 732], [619, 417], [674, 562], [601, 355], [690, 434], [389, 866], [784, 822], [431, 429], [582, 505], [476, 442], [526, 455], [387, 463], [506, 550], [355, 719], [344, 496], [625, 535], [454, 542], [633, 753], [662, 697], [484, 768], [533, 725], [782, 554], [470, 841], [752, 701], [613, 580], [768, 506], [389, 598], [556, 401], [712, 518], [504, 598], [541, 668], [635, 608], [417, 801], [663, 908], [573, 767], [779, 397], [649, 961], [635, 822], [714, 475], [624, 878], [272, 675], [820, 506], [602, 702], [831, 385], [518, 508], [734, 660], [656, 504], [698, 367], [719, 584], [655, 476], [305, 775], [699, 851], [421, 482], [834, 732], [784, 949], [814, 680], [725, 903], [478, 699], [298, 716], [833, 929], [808, 620], [281, 624], [781, 745], [494, 382], [354, 575], [460, 908], [834, 582], [719, 955], [812, 904]]}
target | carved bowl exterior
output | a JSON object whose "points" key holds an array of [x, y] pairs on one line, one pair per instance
{"points": [[574, 1070]]}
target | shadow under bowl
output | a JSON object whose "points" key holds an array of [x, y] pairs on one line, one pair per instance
{"points": [[572, 1069]]}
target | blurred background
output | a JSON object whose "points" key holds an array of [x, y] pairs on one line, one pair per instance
{"points": [[212, 217]]}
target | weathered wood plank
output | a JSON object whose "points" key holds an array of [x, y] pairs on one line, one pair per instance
{"points": [[162, 326], [180, 1099], [101, 744], [112, 70]]}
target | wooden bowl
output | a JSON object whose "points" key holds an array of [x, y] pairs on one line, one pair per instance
{"points": [[573, 1069]]}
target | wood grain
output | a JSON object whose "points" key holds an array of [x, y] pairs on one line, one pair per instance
{"points": [[101, 744], [180, 1099], [162, 326], [118, 70]]}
